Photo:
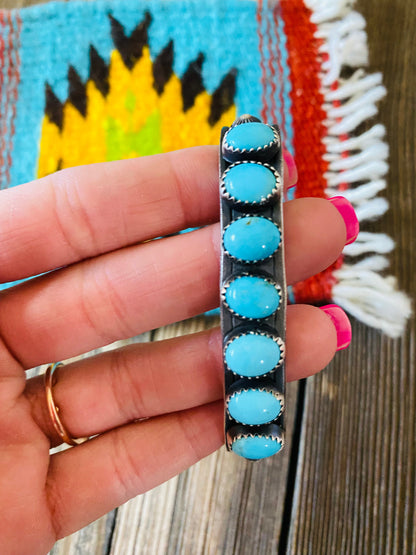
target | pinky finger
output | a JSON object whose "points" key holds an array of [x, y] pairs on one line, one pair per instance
{"points": [[91, 479]]}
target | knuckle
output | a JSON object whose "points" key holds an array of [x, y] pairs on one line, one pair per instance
{"points": [[102, 305], [73, 219], [126, 467], [56, 505], [126, 388], [190, 434], [180, 190]]}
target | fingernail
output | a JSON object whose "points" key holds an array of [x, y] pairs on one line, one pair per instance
{"points": [[341, 323], [349, 216], [291, 168]]}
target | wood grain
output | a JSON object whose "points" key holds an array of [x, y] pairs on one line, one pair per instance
{"points": [[223, 504], [353, 477], [355, 486]]}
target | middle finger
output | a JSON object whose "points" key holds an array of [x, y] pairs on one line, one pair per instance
{"points": [[129, 291]]}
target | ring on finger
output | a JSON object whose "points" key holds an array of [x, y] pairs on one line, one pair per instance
{"points": [[61, 430]]}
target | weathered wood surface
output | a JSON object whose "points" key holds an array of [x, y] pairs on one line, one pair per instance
{"points": [[355, 485], [353, 475]]}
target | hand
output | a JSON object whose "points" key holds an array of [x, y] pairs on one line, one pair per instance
{"points": [[89, 228]]}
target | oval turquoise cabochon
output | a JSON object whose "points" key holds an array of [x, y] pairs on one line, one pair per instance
{"points": [[249, 182], [256, 447], [252, 354], [250, 136], [254, 406], [252, 297], [251, 238]]}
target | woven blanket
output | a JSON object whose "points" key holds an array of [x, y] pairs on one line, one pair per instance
{"points": [[84, 82]]}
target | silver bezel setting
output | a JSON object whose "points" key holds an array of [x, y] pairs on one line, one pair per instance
{"points": [[225, 194], [280, 438], [246, 274], [275, 141], [279, 396], [275, 338], [240, 260]]}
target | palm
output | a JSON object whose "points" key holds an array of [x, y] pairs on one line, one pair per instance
{"points": [[94, 224], [24, 465]]}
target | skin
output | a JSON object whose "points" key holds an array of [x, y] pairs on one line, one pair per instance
{"points": [[94, 223]]}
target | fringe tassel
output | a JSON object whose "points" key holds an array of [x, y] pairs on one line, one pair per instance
{"points": [[368, 296], [360, 289]]}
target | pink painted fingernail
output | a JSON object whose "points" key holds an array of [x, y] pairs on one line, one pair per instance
{"points": [[349, 216], [291, 168], [341, 323]]}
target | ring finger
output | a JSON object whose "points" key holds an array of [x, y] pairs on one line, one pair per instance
{"points": [[116, 387]]}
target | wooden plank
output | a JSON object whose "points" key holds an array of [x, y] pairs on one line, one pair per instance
{"points": [[95, 538], [223, 504], [355, 487], [92, 540]]}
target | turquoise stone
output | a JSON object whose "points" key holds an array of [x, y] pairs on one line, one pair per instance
{"points": [[252, 297], [252, 355], [249, 182], [250, 135], [257, 447], [254, 406], [251, 238]]}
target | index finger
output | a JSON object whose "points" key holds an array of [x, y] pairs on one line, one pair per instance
{"points": [[85, 211]]}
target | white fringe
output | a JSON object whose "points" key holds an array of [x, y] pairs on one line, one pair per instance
{"points": [[361, 290], [368, 296], [367, 242]]}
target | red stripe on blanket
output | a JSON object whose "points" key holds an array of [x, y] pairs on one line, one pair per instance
{"points": [[14, 45], [9, 103], [277, 15], [10, 68], [272, 77], [3, 126], [308, 122], [262, 60]]}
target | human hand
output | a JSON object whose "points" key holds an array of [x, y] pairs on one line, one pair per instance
{"points": [[89, 227]]}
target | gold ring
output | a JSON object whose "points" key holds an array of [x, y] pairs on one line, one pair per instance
{"points": [[54, 410]]}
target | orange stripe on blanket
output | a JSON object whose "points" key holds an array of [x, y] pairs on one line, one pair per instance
{"points": [[309, 129]]}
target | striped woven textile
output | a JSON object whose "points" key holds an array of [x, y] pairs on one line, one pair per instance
{"points": [[84, 82]]}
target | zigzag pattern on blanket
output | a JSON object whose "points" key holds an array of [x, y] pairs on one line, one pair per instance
{"points": [[85, 82], [132, 106]]}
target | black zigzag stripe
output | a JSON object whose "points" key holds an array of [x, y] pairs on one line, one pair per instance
{"points": [[77, 91], [163, 68], [53, 107], [130, 48], [223, 97], [99, 72], [192, 84]]}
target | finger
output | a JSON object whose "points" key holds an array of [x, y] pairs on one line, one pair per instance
{"points": [[90, 480], [148, 379], [124, 293], [290, 171], [88, 210]]}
